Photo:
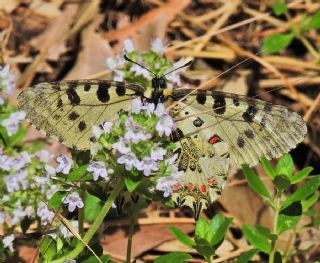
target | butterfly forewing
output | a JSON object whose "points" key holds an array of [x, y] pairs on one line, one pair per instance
{"points": [[67, 110], [252, 128]]}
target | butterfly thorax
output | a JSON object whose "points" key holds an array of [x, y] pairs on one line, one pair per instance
{"points": [[159, 91]]}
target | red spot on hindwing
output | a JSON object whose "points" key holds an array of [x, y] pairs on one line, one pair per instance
{"points": [[203, 188], [176, 187], [211, 181], [214, 139], [191, 186]]}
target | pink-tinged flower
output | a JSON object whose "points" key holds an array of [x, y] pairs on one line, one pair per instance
{"points": [[64, 164], [128, 45], [12, 123], [16, 181], [5, 163], [137, 106], [157, 46], [45, 214], [147, 165], [121, 146], [8, 242], [99, 170], [104, 128], [129, 160], [166, 183], [138, 71], [165, 125], [7, 79], [160, 110], [73, 200], [158, 153], [107, 126], [44, 156], [119, 75], [136, 137]]}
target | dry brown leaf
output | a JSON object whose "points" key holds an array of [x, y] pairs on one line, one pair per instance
{"points": [[9, 6], [92, 57], [149, 26], [47, 9]]}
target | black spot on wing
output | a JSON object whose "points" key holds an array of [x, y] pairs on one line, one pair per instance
{"points": [[120, 89], [177, 135], [235, 100], [73, 116], [267, 107], [102, 91], [82, 125], [59, 103], [219, 105], [198, 122], [56, 86], [87, 86], [240, 142], [250, 113], [72, 94], [249, 133], [201, 97]]}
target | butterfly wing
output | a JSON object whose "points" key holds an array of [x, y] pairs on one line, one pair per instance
{"points": [[252, 128], [204, 160], [67, 110]]}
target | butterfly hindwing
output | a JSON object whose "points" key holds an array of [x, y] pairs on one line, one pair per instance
{"points": [[67, 110], [204, 159], [252, 128]]}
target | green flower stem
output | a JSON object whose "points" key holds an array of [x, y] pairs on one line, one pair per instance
{"points": [[130, 235], [96, 224], [81, 210], [277, 202]]}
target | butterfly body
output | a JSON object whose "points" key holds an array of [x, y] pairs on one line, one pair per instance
{"points": [[214, 128]]}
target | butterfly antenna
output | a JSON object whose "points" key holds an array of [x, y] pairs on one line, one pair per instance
{"points": [[130, 60], [183, 66]]}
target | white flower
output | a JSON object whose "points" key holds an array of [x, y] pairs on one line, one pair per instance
{"points": [[64, 164], [165, 125], [29, 211], [45, 214], [12, 123], [137, 106], [3, 215], [8, 242], [111, 63], [158, 153], [160, 110], [166, 183], [7, 79], [5, 163], [17, 215], [150, 108], [16, 181], [121, 146], [44, 156], [137, 70], [104, 128], [50, 170], [107, 126], [129, 160], [157, 46], [119, 75], [147, 165], [97, 131], [73, 200], [135, 137], [128, 45], [53, 188], [65, 231], [174, 76], [99, 170]]}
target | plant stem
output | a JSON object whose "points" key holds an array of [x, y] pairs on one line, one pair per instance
{"points": [[275, 222], [130, 235], [96, 224], [81, 210]]}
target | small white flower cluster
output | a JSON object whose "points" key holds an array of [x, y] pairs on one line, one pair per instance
{"points": [[7, 80], [158, 48], [137, 143], [8, 242]]}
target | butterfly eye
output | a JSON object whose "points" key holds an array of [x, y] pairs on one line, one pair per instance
{"points": [[155, 83], [162, 83]]}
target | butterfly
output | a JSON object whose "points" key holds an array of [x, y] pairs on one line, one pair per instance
{"points": [[214, 129]]}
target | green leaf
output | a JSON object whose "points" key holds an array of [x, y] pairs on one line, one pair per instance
{"points": [[132, 183], [182, 237], [47, 248], [245, 257], [18, 137], [204, 248], [307, 203], [276, 42], [214, 225], [279, 8], [202, 228], [314, 22], [256, 239], [299, 176], [77, 174], [59, 244], [281, 182], [277, 257], [221, 232], [266, 232], [56, 200], [303, 191], [285, 166], [176, 257], [267, 167], [93, 259], [255, 182], [92, 207], [289, 217]]}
